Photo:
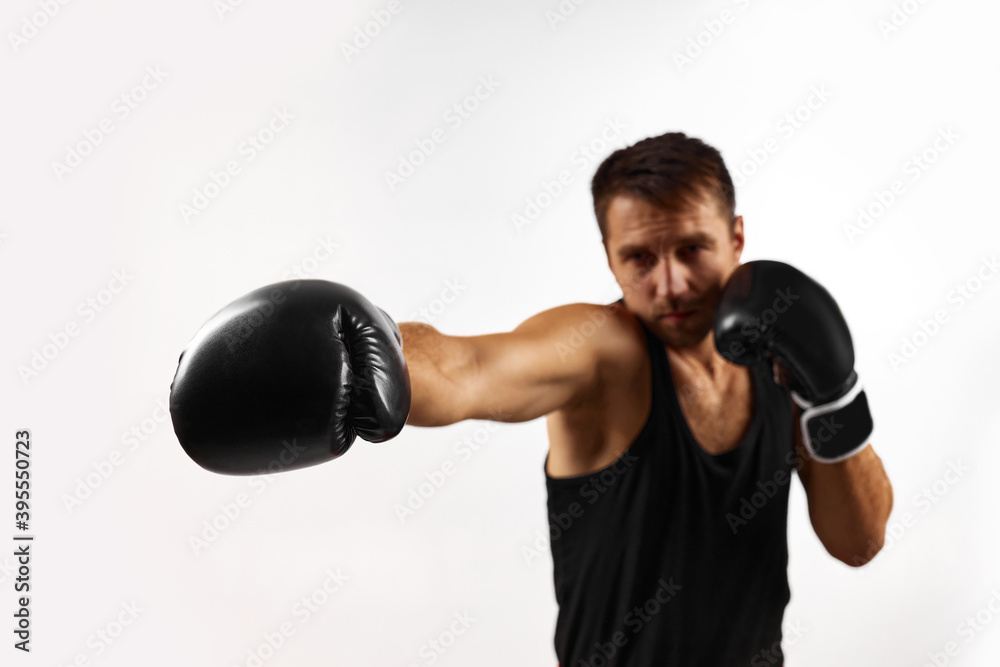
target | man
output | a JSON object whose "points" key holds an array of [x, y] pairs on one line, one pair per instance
{"points": [[655, 439], [669, 466]]}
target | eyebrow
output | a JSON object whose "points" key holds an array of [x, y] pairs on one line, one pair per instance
{"points": [[698, 238]]}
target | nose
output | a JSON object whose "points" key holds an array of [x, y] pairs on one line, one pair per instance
{"points": [[671, 279]]}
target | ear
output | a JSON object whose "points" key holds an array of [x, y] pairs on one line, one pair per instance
{"points": [[737, 235]]}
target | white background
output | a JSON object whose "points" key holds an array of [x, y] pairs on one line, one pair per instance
{"points": [[125, 536]]}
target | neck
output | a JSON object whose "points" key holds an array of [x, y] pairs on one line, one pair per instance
{"points": [[702, 358]]}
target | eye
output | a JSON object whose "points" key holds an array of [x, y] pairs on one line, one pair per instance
{"points": [[694, 248]]}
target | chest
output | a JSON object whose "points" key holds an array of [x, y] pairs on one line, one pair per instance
{"points": [[718, 417]]}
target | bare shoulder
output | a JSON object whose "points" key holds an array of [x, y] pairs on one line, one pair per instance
{"points": [[608, 335], [616, 333], [607, 331]]}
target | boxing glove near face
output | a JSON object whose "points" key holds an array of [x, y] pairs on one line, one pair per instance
{"points": [[772, 310], [286, 377]]}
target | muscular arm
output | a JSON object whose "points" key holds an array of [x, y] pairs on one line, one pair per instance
{"points": [[849, 502], [515, 376]]}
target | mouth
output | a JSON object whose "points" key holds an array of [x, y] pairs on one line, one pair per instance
{"points": [[677, 315]]}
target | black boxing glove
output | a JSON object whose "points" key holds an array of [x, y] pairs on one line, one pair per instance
{"points": [[286, 377], [770, 310]]}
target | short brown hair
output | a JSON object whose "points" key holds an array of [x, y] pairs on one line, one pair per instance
{"points": [[671, 171]]}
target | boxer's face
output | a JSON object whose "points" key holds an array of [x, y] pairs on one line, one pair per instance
{"points": [[672, 266]]}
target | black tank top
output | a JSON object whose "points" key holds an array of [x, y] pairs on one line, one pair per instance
{"points": [[671, 555]]}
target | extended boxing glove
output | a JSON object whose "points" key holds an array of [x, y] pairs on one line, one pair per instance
{"points": [[286, 377], [770, 310]]}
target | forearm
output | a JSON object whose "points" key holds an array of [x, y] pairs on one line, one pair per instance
{"points": [[849, 505], [434, 362]]}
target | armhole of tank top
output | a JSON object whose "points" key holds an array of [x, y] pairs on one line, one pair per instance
{"points": [[644, 433]]}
